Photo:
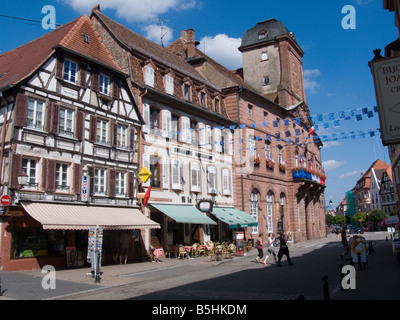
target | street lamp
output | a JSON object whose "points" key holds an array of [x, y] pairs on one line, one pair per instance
{"points": [[22, 179]]}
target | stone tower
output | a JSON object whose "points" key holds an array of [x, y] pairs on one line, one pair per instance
{"points": [[272, 63]]}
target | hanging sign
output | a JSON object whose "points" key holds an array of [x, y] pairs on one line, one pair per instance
{"points": [[386, 74], [144, 174]]}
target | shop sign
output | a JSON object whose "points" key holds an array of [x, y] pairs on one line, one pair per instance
{"points": [[85, 189], [386, 74], [205, 205]]}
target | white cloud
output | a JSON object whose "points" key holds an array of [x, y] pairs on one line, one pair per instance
{"points": [[309, 76], [223, 49], [332, 164], [350, 174], [133, 10], [362, 2], [153, 33]]}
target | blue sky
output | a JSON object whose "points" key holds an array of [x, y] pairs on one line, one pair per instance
{"points": [[337, 76]]}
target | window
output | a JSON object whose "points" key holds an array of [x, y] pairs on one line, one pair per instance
{"points": [[202, 99], [120, 184], [66, 121], [209, 138], [35, 114], [166, 125], [62, 177], [254, 209], [176, 174], [122, 136], [174, 127], [195, 177], [202, 135], [29, 166], [155, 171], [154, 114], [250, 110], [217, 139], [185, 130], [266, 81], [149, 76], [146, 117], [104, 84], [226, 182], [280, 158], [216, 105], [169, 84], [212, 179], [102, 131], [70, 70], [270, 226], [187, 92], [165, 173], [99, 181]]}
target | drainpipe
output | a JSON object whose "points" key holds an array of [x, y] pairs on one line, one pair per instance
{"points": [[3, 138], [241, 144]]}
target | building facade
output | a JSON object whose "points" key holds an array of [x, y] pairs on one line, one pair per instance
{"points": [[70, 127], [272, 131]]}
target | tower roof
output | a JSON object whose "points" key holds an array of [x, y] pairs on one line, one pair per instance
{"points": [[264, 31]]}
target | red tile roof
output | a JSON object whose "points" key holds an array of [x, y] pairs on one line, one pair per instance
{"points": [[16, 65]]}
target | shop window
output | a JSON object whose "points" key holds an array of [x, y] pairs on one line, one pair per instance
{"points": [[35, 242]]}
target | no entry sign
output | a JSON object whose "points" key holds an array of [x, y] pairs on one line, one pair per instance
{"points": [[5, 200]]}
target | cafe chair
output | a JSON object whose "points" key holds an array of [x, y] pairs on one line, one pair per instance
{"points": [[182, 252]]}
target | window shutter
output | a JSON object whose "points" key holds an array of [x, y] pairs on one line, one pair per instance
{"points": [[165, 173], [114, 132], [208, 138], [115, 88], [146, 163], [149, 76], [132, 138], [21, 109], [217, 140], [229, 143], [169, 85], [212, 179], [131, 184], [176, 174], [194, 177], [96, 81], [166, 123], [146, 118], [185, 130], [60, 67], [80, 125], [77, 178], [226, 182], [92, 129], [83, 74], [53, 115], [202, 135], [111, 183], [50, 175], [16, 170]]}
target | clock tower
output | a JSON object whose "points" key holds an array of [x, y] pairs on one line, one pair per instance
{"points": [[272, 63]]}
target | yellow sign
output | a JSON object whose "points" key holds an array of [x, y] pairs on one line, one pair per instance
{"points": [[144, 174]]}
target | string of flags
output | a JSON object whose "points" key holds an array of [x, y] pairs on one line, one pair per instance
{"points": [[320, 121]]}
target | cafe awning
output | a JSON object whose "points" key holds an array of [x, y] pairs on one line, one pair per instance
{"points": [[234, 217], [82, 217], [183, 213]]}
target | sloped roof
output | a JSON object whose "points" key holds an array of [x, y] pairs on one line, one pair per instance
{"points": [[149, 49], [17, 64]]}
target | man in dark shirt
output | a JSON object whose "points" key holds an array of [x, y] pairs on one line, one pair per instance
{"points": [[345, 244]]}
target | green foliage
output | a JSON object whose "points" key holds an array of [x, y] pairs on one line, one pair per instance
{"points": [[376, 215], [360, 216]]}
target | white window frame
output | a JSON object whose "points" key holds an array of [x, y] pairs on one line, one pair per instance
{"points": [[29, 166], [169, 84], [62, 177], [35, 114], [122, 136], [102, 131], [166, 125], [202, 135], [165, 173], [195, 178], [66, 122], [217, 140], [100, 181], [254, 210], [226, 182], [270, 223], [70, 71], [149, 76], [120, 183], [209, 144], [212, 180], [176, 174], [104, 84], [185, 130], [146, 117]]}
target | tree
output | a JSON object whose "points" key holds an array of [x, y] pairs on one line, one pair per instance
{"points": [[376, 215], [339, 219], [360, 216]]}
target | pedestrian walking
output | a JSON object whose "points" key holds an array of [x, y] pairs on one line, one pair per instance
{"points": [[345, 244], [260, 248], [283, 249], [271, 249]]}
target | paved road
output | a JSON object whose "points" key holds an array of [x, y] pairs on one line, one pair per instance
{"points": [[197, 279]]}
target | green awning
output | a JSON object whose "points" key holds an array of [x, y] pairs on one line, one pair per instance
{"points": [[184, 213], [234, 217]]}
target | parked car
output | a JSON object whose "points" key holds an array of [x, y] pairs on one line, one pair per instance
{"points": [[354, 229]]}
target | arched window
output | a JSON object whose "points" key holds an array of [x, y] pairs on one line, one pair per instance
{"points": [[270, 225], [254, 208]]}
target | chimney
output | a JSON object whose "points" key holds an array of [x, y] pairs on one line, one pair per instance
{"points": [[188, 36]]}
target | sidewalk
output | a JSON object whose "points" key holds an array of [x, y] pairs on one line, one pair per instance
{"points": [[380, 280]]}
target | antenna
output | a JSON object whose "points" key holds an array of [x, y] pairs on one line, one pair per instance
{"points": [[162, 31]]}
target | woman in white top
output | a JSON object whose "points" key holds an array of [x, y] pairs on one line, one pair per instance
{"points": [[271, 249]]}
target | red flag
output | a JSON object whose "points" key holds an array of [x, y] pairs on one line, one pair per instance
{"points": [[311, 131], [146, 196]]}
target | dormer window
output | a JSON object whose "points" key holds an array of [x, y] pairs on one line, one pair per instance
{"points": [[104, 84], [262, 34], [169, 84], [70, 70], [187, 92], [149, 76], [86, 38], [264, 56]]}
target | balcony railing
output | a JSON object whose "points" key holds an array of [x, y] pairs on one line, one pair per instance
{"points": [[311, 175]]}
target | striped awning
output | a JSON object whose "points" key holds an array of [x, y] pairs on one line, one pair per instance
{"points": [[82, 217], [234, 217]]}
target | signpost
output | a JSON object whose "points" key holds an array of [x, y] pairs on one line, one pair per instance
{"points": [[144, 174], [5, 200], [85, 189]]}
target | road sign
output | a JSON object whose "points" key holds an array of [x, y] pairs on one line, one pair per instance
{"points": [[144, 174], [85, 189], [5, 200]]}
